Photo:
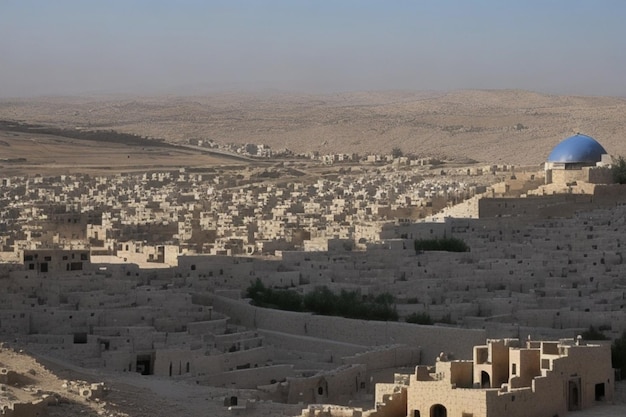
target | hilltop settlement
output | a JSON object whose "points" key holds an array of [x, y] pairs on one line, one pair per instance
{"points": [[384, 286]]}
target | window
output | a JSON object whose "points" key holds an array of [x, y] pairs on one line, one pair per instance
{"points": [[514, 369], [80, 338]]}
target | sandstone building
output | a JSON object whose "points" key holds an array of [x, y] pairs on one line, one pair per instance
{"points": [[506, 377], [509, 378]]}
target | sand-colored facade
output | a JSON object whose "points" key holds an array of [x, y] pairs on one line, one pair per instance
{"points": [[509, 378], [505, 378]]}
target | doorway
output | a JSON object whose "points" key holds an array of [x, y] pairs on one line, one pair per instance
{"points": [[573, 394], [438, 410], [485, 380]]}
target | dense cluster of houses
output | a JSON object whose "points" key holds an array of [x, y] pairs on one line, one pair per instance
{"points": [[147, 273]]}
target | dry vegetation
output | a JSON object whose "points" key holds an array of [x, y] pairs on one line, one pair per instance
{"points": [[504, 126]]}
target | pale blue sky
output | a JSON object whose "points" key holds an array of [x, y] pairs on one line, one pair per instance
{"points": [[70, 47]]}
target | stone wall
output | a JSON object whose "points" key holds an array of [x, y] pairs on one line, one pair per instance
{"points": [[337, 386], [331, 350], [249, 378], [173, 362], [431, 339], [385, 358]]}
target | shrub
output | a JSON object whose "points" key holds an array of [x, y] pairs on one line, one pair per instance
{"points": [[323, 301], [320, 300], [619, 170], [280, 299], [419, 318], [593, 334]]}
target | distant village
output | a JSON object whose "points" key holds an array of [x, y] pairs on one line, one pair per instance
{"points": [[264, 151], [149, 273]]}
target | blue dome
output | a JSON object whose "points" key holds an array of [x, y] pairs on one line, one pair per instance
{"points": [[577, 149]]}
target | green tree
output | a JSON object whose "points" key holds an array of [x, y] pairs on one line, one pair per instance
{"points": [[619, 170], [267, 297], [287, 300], [618, 354], [396, 152], [321, 300], [593, 334], [384, 298], [256, 290]]}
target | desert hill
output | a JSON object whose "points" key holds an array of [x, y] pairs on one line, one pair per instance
{"points": [[493, 126]]}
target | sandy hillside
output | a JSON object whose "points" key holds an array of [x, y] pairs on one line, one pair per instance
{"points": [[499, 126], [63, 385]]}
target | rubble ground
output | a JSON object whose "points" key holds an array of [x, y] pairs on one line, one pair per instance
{"points": [[76, 391]]}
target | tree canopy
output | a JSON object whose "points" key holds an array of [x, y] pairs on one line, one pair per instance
{"points": [[619, 170], [323, 301]]}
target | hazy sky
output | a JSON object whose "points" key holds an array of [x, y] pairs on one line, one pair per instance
{"points": [[69, 47]]}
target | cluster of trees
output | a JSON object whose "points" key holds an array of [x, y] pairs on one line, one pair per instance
{"points": [[266, 297], [449, 244], [323, 301]]}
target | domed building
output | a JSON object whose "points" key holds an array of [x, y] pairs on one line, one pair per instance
{"points": [[578, 158]]}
